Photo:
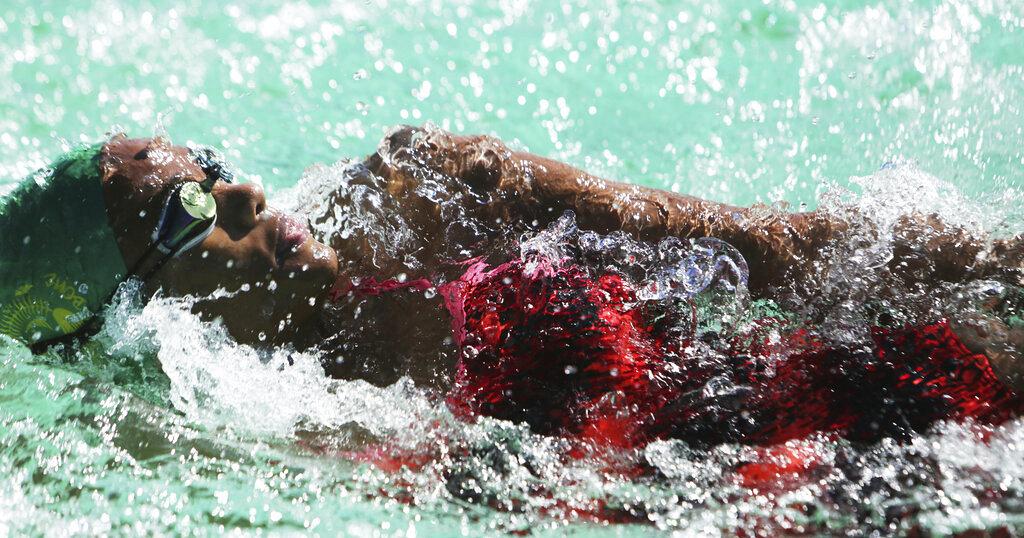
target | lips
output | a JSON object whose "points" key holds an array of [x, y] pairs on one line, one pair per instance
{"points": [[291, 234]]}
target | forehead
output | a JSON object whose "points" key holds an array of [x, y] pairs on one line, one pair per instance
{"points": [[141, 167], [136, 173]]}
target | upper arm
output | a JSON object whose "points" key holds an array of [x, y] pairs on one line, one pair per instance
{"points": [[523, 186]]}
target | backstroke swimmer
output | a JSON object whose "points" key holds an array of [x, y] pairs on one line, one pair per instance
{"points": [[407, 269]]}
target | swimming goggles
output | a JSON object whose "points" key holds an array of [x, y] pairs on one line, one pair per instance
{"points": [[190, 213]]}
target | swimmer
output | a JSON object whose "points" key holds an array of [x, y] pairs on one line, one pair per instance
{"points": [[174, 219]]}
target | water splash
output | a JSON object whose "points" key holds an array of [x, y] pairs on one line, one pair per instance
{"points": [[770, 112]]}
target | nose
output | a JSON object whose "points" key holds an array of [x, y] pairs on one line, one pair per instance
{"points": [[239, 206]]}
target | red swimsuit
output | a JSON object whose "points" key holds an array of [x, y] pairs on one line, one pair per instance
{"points": [[570, 354]]}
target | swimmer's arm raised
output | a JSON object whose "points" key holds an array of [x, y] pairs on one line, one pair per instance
{"points": [[925, 248], [773, 242], [526, 186]]}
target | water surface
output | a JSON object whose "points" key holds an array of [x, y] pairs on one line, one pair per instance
{"points": [[164, 425]]}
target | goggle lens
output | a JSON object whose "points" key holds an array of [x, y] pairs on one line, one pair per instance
{"points": [[189, 217], [191, 211]]}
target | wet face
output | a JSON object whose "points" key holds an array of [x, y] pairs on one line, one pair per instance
{"points": [[275, 274]]}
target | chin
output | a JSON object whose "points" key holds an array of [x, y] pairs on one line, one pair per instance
{"points": [[323, 266]]}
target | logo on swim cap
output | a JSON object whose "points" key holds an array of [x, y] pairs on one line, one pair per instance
{"points": [[48, 309], [25, 318]]}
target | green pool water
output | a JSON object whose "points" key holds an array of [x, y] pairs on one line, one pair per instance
{"points": [[163, 425]]}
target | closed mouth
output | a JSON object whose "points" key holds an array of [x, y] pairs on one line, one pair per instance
{"points": [[291, 234]]}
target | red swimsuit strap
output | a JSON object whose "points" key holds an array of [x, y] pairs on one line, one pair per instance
{"points": [[371, 287]]}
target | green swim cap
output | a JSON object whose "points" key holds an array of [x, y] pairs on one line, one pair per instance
{"points": [[59, 260]]}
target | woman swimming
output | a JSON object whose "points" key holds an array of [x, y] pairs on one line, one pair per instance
{"points": [[560, 345]]}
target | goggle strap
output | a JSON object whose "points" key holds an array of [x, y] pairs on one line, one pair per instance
{"points": [[199, 237], [171, 245], [182, 235], [155, 268], [163, 216], [145, 255]]}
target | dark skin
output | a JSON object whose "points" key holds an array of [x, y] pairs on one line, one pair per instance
{"points": [[241, 252], [516, 187]]}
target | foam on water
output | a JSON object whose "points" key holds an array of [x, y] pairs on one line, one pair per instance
{"points": [[273, 393]]}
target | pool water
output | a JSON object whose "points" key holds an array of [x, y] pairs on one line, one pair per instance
{"points": [[162, 424]]}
